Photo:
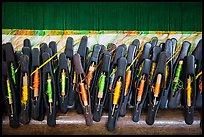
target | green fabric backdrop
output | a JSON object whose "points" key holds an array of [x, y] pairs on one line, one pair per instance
{"points": [[140, 16]]}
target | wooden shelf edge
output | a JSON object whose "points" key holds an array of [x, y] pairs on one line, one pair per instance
{"points": [[167, 122]]}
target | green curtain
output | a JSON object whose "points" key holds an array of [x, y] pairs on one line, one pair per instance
{"points": [[140, 16]]}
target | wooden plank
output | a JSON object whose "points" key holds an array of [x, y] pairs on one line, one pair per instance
{"points": [[168, 122]]}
